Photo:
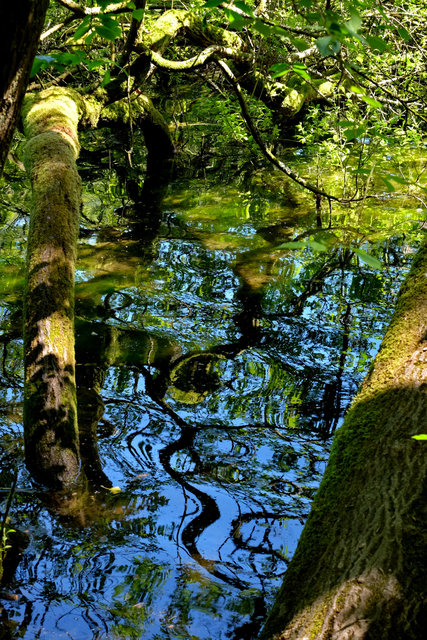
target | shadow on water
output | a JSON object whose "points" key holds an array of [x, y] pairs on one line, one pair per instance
{"points": [[212, 368]]}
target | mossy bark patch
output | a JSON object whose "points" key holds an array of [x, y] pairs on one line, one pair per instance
{"points": [[50, 410], [360, 567]]}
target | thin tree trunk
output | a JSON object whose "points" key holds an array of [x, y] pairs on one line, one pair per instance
{"points": [[50, 410], [360, 569], [21, 23]]}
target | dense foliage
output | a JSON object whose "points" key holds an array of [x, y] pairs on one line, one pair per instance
{"points": [[343, 78]]}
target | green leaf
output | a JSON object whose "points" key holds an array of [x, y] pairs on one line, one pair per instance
{"points": [[279, 69], [138, 14], [93, 64], [368, 259], [212, 3], [420, 436], [106, 79], [377, 44], [82, 28], [39, 63], [389, 185], [398, 179], [244, 7], [298, 43], [265, 29], [372, 102], [292, 245], [69, 59], [236, 20], [328, 46], [110, 22], [90, 37], [354, 24], [317, 246], [404, 34], [301, 71], [108, 32], [352, 134]]}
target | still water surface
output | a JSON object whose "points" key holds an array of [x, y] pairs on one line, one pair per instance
{"points": [[226, 364]]}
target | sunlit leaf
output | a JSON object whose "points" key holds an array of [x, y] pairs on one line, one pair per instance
{"points": [[368, 259], [279, 69], [356, 89], [112, 490], [298, 43], [292, 245], [82, 29], [398, 179], [372, 102], [389, 185], [420, 436], [355, 22], [94, 64], [236, 20], [302, 73], [317, 246], [244, 7]]}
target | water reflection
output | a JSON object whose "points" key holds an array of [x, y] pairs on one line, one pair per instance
{"points": [[213, 367]]}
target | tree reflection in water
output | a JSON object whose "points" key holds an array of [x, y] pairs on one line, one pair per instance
{"points": [[213, 367]]}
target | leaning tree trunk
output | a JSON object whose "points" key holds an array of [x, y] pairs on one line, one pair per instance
{"points": [[360, 568], [50, 411], [50, 120], [21, 23]]}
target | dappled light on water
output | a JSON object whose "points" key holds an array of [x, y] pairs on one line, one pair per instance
{"points": [[214, 365]]}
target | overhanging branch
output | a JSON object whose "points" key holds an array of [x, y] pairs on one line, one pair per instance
{"points": [[260, 142], [78, 10], [199, 60]]}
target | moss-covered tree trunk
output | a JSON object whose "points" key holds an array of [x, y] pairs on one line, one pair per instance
{"points": [[50, 412], [360, 569]]}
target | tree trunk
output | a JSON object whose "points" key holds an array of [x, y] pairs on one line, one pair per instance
{"points": [[20, 28], [50, 411], [359, 571]]}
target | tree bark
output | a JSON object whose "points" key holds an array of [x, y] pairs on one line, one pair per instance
{"points": [[359, 571], [50, 409], [20, 28]]}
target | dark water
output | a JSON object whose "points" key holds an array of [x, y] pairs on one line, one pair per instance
{"points": [[227, 363]]}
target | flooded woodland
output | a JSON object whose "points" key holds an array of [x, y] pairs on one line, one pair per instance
{"points": [[178, 354], [217, 366]]}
